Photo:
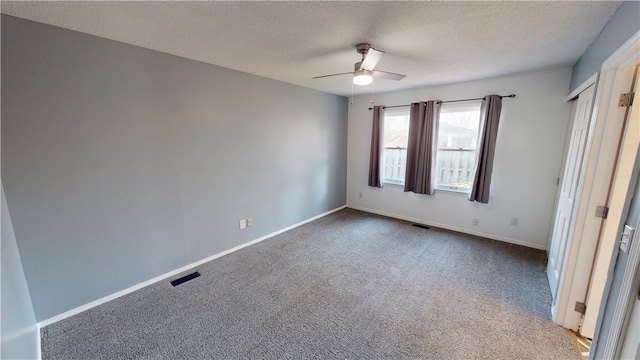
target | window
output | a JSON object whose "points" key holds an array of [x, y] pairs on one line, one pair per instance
{"points": [[457, 143], [456, 149], [396, 135]]}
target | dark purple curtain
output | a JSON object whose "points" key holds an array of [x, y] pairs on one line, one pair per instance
{"points": [[421, 148], [377, 143], [489, 120]]}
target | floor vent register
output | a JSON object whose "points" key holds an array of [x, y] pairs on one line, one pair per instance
{"points": [[185, 278]]}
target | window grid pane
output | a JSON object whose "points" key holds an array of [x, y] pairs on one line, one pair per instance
{"points": [[394, 157], [394, 164], [455, 168], [457, 142]]}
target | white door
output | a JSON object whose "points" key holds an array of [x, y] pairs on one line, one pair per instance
{"points": [[562, 229], [618, 206]]}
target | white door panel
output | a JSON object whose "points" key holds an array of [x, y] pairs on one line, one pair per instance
{"points": [[566, 203]]}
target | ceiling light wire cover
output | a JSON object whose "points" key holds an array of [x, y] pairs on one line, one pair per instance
{"points": [[362, 77]]}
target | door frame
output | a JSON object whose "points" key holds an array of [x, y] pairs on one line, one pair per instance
{"points": [[602, 143]]}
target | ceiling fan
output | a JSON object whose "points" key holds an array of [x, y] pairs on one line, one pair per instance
{"points": [[363, 72]]}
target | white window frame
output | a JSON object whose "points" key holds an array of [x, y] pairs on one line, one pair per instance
{"points": [[394, 112], [448, 108]]}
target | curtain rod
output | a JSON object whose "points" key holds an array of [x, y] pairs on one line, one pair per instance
{"points": [[447, 101]]}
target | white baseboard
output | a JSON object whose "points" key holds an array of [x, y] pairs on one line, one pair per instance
{"points": [[139, 286], [39, 345], [449, 227]]}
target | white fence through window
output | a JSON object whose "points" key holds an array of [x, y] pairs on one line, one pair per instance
{"points": [[454, 168], [395, 162]]}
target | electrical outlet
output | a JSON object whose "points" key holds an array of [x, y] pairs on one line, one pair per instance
{"points": [[515, 221], [360, 195], [476, 222], [249, 221], [243, 224]]}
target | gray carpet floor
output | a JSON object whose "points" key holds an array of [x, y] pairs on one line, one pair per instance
{"points": [[350, 285]]}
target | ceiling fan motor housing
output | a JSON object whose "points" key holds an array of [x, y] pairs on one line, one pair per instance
{"points": [[363, 48]]}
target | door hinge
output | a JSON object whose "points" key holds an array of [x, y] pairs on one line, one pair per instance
{"points": [[581, 307], [626, 99], [602, 211]]}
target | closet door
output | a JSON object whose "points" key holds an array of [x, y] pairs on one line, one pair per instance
{"points": [[565, 217]]}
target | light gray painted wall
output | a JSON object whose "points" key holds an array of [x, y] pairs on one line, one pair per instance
{"points": [[19, 331], [121, 163], [624, 23]]}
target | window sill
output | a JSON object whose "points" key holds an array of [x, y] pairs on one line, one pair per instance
{"points": [[461, 192], [393, 183]]}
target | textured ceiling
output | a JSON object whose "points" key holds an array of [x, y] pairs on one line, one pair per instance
{"points": [[430, 42]]}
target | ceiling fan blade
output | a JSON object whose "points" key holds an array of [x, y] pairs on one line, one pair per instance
{"points": [[324, 76], [371, 59], [388, 75]]}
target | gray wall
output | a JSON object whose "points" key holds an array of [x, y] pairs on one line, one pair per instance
{"points": [[624, 23], [121, 163], [19, 332]]}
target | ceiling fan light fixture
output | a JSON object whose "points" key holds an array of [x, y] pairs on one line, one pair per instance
{"points": [[362, 77]]}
